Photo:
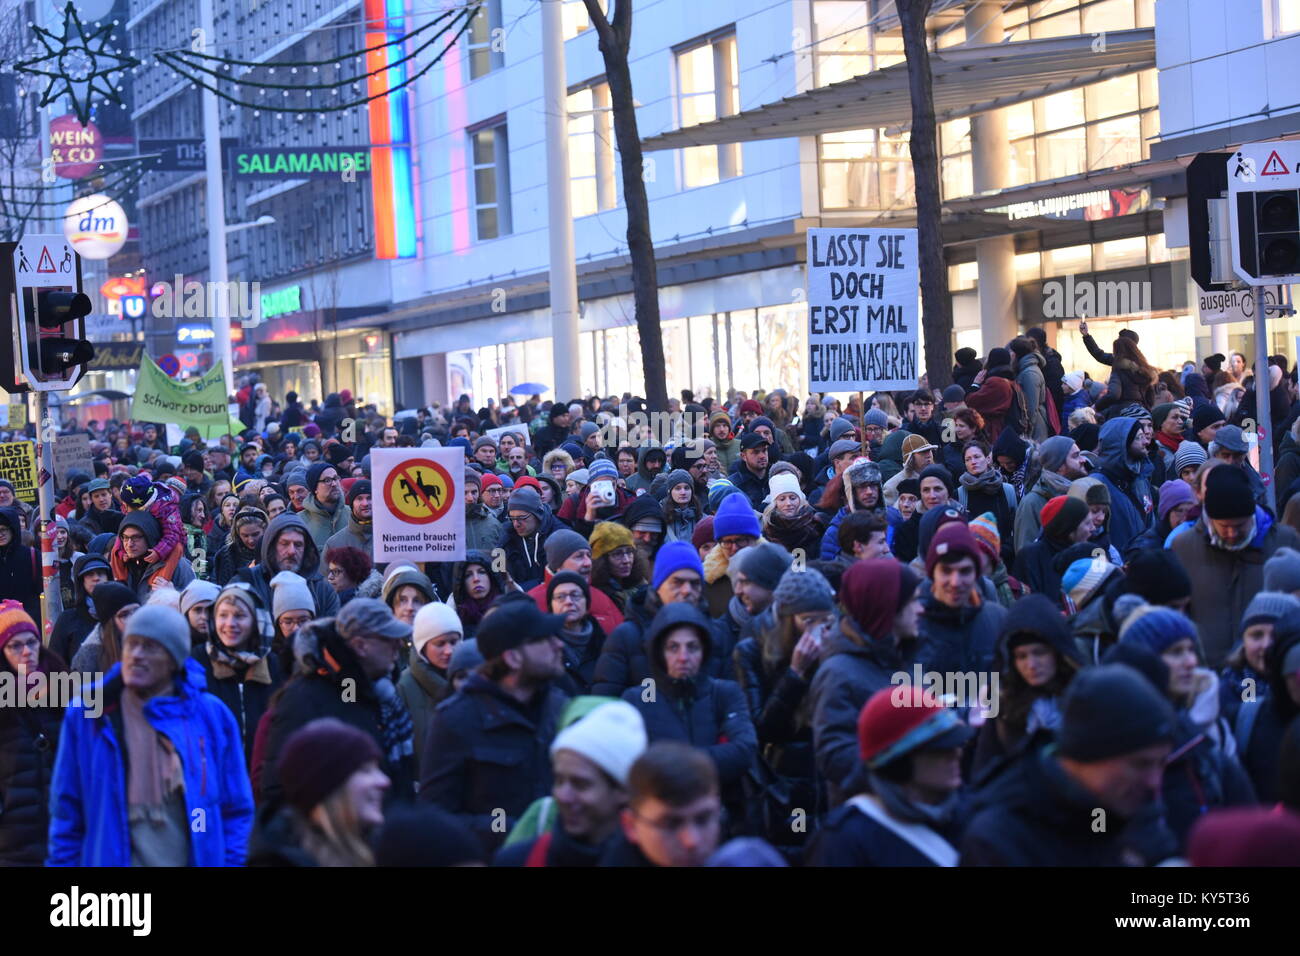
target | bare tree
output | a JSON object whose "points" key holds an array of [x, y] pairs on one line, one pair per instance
{"points": [[21, 194], [615, 36], [936, 304]]}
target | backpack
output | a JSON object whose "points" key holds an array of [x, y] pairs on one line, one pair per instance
{"points": [[1008, 492], [1017, 417]]}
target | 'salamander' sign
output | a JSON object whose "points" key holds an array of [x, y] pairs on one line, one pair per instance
{"points": [[301, 162]]}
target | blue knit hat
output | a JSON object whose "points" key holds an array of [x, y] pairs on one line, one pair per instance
{"points": [[673, 557], [602, 468], [735, 516], [1158, 628], [720, 488]]}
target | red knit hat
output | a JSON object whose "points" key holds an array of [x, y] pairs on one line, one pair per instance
{"points": [[749, 405], [898, 720], [527, 481], [490, 480], [14, 621], [951, 542]]}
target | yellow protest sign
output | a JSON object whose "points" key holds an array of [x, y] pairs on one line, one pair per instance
{"points": [[18, 467]]}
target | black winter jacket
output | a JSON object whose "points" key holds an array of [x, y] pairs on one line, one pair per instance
{"points": [[259, 575], [526, 557], [29, 739], [959, 640], [775, 700], [623, 662], [247, 699], [485, 751]]}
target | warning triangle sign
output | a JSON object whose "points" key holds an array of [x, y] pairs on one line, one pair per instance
{"points": [[1274, 166], [45, 263]]}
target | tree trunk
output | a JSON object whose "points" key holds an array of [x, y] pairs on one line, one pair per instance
{"points": [[936, 304], [615, 37]]}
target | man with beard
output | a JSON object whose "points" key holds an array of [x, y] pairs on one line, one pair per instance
{"points": [[749, 474], [324, 513], [287, 546], [1125, 471], [101, 517], [1062, 464], [485, 751], [360, 531]]}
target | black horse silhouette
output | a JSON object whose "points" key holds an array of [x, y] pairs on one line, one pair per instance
{"points": [[430, 491]]}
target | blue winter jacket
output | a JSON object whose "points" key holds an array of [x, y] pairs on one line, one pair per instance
{"points": [[1128, 482], [88, 811]]}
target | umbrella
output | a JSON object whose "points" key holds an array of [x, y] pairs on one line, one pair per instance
{"points": [[529, 388]]}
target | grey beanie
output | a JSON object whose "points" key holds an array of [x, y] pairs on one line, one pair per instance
{"points": [[560, 545], [1053, 452], [876, 417], [526, 499], [290, 593], [803, 591], [680, 476], [839, 428], [196, 592], [1188, 453], [587, 429], [465, 657], [297, 477], [164, 625], [764, 564], [1268, 606], [1282, 571]]}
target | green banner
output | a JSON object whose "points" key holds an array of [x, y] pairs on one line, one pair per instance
{"points": [[202, 402]]}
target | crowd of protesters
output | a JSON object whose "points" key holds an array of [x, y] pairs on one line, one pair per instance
{"points": [[944, 627]]}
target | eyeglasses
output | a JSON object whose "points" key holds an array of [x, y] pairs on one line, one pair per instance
{"points": [[333, 572], [623, 553], [736, 542], [332, 481], [19, 645], [575, 598], [519, 519], [129, 537]]}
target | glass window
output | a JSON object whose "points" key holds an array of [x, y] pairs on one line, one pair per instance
{"points": [[843, 40], [704, 357], [963, 276], [677, 355], [744, 351], [1071, 260], [1060, 110], [865, 169], [485, 40], [490, 158], [1122, 253], [1027, 267], [957, 175], [784, 331], [708, 88], [1286, 17], [1108, 15], [1115, 142], [575, 17], [591, 150], [1020, 120], [1055, 18], [954, 136], [1112, 97], [1061, 154]]}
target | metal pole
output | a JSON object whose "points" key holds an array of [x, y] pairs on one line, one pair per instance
{"points": [[215, 196], [51, 599], [1263, 411], [564, 278]]}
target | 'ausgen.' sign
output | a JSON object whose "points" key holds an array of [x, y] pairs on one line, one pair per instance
{"points": [[302, 162]]}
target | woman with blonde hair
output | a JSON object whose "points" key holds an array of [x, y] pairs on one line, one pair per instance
{"points": [[334, 799]]}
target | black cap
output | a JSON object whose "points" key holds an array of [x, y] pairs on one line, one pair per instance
{"points": [[514, 623], [752, 440]]}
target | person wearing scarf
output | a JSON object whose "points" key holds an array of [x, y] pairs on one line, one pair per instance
{"points": [[475, 590], [19, 574], [682, 507], [426, 682], [909, 784], [581, 633], [236, 660], [243, 545], [1017, 461], [982, 490]]}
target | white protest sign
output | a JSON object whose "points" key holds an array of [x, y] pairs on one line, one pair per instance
{"points": [[519, 431], [863, 315], [419, 509], [71, 453], [1234, 305]]}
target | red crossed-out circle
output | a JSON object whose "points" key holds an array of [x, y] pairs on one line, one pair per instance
{"points": [[410, 479]]}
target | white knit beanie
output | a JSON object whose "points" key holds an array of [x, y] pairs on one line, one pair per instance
{"points": [[433, 619], [782, 484], [290, 593], [611, 736]]}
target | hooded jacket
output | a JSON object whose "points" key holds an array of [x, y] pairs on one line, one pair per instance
{"points": [[483, 531], [422, 687], [139, 574], [854, 665], [702, 711], [485, 752], [259, 576], [320, 523], [993, 400], [1259, 735], [776, 697], [1224, 582], [88, 825], [963, 639], [328, 682], [643, 478], [1128, 480], [19, 575], [357, 534], [77, 621], [330, 415], [526, 556]]}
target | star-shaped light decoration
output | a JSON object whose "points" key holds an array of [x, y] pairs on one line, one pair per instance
{"points": [[79, 63]]}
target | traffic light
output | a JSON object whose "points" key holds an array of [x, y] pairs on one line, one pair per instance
{"points": [[1268, 225], [54, 355]]}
